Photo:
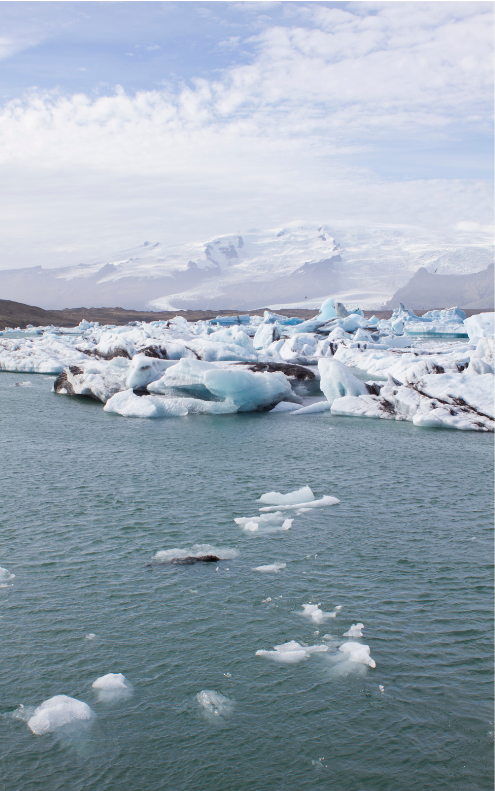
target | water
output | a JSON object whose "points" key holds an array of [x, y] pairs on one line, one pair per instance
{"points": [[88, 498]]}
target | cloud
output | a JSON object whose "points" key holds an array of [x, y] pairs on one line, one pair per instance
{"points": [[291, 134]]}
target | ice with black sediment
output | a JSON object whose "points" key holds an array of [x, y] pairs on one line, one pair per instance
{"points": [[195, 551], [441, 366]]}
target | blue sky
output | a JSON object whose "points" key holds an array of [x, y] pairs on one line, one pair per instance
{"points": [[178, 120]]}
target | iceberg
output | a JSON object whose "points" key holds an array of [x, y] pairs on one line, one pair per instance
{"points": [[275, 498], [57, 712], [291, 653], [357, 652], [337, 381], [214, 704]]}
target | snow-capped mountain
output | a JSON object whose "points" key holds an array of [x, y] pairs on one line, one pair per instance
{"points": [[297, 265]]}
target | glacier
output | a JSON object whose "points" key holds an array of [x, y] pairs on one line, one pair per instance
{"points": [[435, 370]]}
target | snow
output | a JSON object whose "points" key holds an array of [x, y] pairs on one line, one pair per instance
{"points": [[56, 712]]}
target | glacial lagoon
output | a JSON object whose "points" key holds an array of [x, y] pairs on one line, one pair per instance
{"points": [[89, 498]]}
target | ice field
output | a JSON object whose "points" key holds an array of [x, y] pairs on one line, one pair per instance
{"points": [[436, 371]]}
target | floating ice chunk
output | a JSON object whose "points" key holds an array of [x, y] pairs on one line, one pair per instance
{"points": [[312, 409], [357, 652], [196, 551], [214, 704], [272, 568], [355, 630], [284, 406], [381, 687], [23, 384], [5, 577], [264, 523], [128, 404], [337, 381], [313, 612], [325, 500], [275, 498], [56, 712], [90, 636], [291, 653], [112, 687], [481, 325]]}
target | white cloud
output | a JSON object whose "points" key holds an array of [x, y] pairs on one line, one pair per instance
{"points": [[265, 143]]}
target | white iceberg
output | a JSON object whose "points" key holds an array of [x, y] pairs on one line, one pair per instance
{"points": [[272, 568], [112, 687], [291, 653], [5, 577], [322, 502], [298, 496], [355, 630], [337, 381], [357, 652], [264, 523], [214, 704], [57, 712], [315, 614]]}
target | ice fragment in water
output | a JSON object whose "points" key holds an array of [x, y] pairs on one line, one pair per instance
{"points": [[272, 568], [299, 496], [357, 652], [196, 551], [112, 686], [355, 630], [56, 712], [214, 704], [90, 636], [291, 653], [5, 577], [264, 523], [323, 501], [381, 687], [313, 612]]}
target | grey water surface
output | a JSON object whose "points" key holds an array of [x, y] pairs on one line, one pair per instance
{"points": [[88, 498]]}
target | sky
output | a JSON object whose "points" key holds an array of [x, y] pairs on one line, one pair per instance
{"points": [[125, 122]]}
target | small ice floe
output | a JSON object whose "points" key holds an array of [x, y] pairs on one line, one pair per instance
{"points": [[23, 384], [284, 406], [276, 498], [357, 652], [214, 705], [57, 712], [291, 653], [313, 409], [196, 551], [90, 636], [381, 687], [5, 577], [112, 687], [265, 601], [272, 568], [355, 630], [264, 523], [323, 501], [313, 612]]}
